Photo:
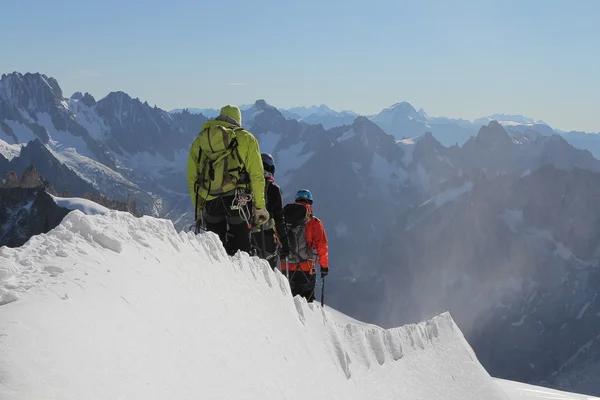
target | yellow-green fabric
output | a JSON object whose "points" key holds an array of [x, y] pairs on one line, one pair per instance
{"points": [[249, 152], [219, 161], [232, 112]]}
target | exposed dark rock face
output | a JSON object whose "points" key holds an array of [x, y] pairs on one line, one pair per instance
{"points": [[26, 208], [62, 178], [27, 212]]}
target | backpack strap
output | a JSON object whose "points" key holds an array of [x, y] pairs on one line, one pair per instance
{"points": [[243, 172], [197, 188]]}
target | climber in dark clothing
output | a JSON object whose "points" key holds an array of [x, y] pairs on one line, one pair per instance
{"points": [[275, 246]]}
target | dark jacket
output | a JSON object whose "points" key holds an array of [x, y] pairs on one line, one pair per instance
{"points": [[273, 197]]}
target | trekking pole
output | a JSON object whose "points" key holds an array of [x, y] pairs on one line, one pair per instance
{"points": [[287, 268], [262, 238], [322, 291]]}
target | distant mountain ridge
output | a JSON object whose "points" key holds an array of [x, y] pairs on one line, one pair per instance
{"points": [[403, 121]]}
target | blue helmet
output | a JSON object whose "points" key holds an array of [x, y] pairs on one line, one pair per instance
{"points": [[304, 194], [268, 162]]}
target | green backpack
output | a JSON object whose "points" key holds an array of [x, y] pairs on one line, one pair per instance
{"points": [[222, 169]]}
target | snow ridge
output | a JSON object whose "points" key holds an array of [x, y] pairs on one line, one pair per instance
{"points": [[113, 306]]}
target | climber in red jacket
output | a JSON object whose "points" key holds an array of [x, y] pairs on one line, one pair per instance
{"points": [[308, 244]]}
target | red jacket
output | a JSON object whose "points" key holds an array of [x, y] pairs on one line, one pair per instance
{"points": [[316, 238]]}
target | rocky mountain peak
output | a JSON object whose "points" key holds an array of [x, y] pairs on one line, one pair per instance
{"points": [[491, 136], [88, 100], [375, 139], [261, 104], [403, 110], [364, 126], [31, 178], [118, 97], [10, 180], [31, 92], [262, 115], [403, 105], [427, 140]]}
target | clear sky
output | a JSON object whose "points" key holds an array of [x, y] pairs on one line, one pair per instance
{"points": [[539, 58]]}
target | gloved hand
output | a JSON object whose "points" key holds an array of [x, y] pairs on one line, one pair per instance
{"points": [[261, 215], [284, 253], [324, 271]]}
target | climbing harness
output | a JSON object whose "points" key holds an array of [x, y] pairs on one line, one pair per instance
{"points": [[240, 202]]}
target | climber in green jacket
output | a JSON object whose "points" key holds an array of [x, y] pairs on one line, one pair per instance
{"points": [[226, 180]]}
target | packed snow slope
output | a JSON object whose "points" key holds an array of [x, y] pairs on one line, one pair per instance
{"points": [[111, 306], [522, 391]]}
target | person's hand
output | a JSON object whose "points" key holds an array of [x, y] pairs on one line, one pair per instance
{"points": [[284, 253], [261, 216], [324, 271]]}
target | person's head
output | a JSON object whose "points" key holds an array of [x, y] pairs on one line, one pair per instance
{"points": [[268, 163], [231, 114], [304, 196]]}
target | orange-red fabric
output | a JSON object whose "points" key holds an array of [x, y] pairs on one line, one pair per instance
{"points": [[305, 266], [316, 240]]}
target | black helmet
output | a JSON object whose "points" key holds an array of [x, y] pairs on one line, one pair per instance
{"points": [[268, 163]]}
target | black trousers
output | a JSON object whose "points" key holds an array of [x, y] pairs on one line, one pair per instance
{"points": [[269, 246], [303, 284], [233, 231]]}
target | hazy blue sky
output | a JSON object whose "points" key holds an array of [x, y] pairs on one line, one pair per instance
{"points": [[540, 58]]}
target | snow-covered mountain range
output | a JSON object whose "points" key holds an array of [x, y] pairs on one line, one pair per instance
{"points": [[311, 115], [403, 121], [376, 181]]}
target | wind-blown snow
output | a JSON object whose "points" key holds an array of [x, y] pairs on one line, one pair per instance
{"points": [[85, 206], [113, 306]]}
